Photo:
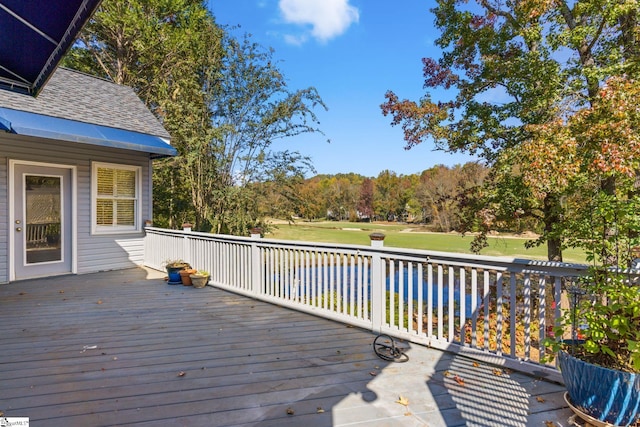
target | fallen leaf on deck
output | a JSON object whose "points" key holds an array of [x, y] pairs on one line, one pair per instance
{"points": [[476, 364], [99, 301], [290, 411], [1, 414], [403, 400], [182, 373], [539, 399], [497, 372], [22, 293], [373, 373], [459, 380], [320, 410], [407, 414], [447, 374], [549, 424], [61, 292]]}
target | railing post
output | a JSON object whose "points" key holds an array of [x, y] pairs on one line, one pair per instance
{"points": [[378, 291], [256, 234], [186, 246]]}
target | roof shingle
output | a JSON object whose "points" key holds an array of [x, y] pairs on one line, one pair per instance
{"points": [[73, 95]]}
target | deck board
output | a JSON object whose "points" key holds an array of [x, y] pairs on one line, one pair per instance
{"points": [[108, 349]]}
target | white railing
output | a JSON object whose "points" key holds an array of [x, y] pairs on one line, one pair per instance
{"points": [[496, 309]]}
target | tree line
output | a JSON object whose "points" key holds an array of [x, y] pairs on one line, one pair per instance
{"points": [[434, 196]]}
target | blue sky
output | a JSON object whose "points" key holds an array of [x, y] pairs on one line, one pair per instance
{"points": [[352, 52]]}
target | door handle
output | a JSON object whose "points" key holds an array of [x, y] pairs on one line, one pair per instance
{"points": [[19, 229]]}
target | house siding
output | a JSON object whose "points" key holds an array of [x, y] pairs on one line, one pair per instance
{"points": [[93, 252]]}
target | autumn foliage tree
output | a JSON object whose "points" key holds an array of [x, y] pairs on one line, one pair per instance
{"points": [[365, 202], [594, 159], [516, 72]]}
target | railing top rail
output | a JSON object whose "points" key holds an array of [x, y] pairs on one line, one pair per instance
{"points": [[198, 234], [516, 265]]}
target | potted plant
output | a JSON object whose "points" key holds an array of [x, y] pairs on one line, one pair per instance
{"points": [[185, 274], [200, 278], [173, 268], [600, 357]]}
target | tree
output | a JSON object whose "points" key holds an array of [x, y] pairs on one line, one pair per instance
{"points": [[167, 50], [223, 101], [313, 204], [251, 107], [341, 193], [154, 46], [365, 202], [596, 147], [441, 189], [385, 201], [514, 68], [438, 189], [281, 194]]}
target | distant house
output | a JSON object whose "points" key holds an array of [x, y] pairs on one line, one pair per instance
{"points": [[75, 177]]}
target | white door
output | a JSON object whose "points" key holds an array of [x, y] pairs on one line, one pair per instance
{"points": [[41, 220]]}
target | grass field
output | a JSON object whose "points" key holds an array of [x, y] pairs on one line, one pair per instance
{"points": [[410, 236]]}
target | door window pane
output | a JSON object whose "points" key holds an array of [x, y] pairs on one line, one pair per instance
{"points": [[43, 222]]}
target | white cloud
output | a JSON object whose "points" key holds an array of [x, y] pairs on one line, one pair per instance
{"points": [[295, 40], [327, 18]]}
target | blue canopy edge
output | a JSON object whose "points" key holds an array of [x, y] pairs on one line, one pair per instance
{"points": [[38, 125]]}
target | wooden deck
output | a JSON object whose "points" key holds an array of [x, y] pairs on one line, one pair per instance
{"points": [[124, 348]]}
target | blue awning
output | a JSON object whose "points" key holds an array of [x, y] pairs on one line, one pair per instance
{"points": [[34, 36], [38, 125]]}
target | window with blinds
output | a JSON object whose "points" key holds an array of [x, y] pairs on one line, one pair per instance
{"points": [[116, 196]]}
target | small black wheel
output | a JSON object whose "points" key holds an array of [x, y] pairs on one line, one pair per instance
{"points": [[385, 348]]}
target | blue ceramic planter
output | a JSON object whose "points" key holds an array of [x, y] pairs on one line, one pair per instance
{"points": [[605, 394], [174, 275]]}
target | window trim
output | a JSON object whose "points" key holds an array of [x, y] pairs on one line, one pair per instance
{"points": [[102, 229]]}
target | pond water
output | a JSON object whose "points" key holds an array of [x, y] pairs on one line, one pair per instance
{"points": [[344, 275]]}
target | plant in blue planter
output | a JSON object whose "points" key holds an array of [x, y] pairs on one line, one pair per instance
{"points": [[600, 364], [173, 268]]}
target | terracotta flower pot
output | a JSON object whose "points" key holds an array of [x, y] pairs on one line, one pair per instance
{"points": [[184, 276]]}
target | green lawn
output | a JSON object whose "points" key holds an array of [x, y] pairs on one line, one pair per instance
{"points": [[397, 235]]}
